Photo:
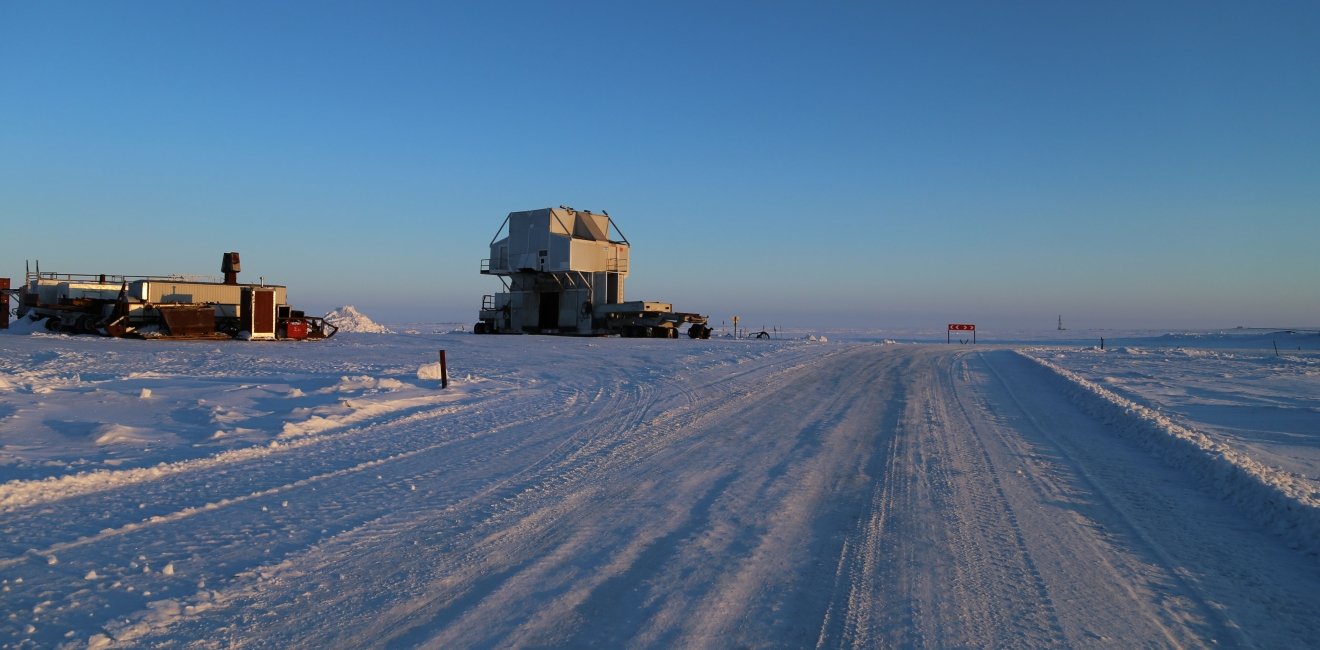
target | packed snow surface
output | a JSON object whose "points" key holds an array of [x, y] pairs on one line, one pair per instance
{"points": [[562, 492], [349, 319]]}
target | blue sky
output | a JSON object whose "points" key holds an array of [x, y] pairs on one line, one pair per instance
{"points": [[839, 164]]}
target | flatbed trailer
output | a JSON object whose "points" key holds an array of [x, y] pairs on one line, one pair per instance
{"points": [[640, 319]]}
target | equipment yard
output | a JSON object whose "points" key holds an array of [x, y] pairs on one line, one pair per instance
{"points": [[162, 306], [729, 493]]}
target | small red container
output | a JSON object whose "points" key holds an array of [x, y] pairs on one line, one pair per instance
{"points": [[296, 329]]}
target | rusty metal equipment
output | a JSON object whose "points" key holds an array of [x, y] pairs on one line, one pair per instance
{"points": [[563, 272], [230, 267], [170, 306], [4, 303], [189, 321]]}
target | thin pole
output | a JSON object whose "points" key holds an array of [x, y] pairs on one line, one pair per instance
{"points": [[444, 371]]}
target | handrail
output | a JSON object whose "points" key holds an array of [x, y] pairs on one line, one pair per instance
{"points": [[108, 278]]}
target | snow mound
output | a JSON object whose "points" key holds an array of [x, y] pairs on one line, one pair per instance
{"points": [[26, 325], [111, 434], [429, 371], [349, 319]]}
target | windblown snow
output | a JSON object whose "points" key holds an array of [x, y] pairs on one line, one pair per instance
{"points": [[349, 319], [562, 492]]}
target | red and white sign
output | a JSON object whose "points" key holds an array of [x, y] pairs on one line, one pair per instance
{"points": [[962, 327]]}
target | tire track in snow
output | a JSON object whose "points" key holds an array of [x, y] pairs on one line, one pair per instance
{"points": [[22, 494], [848, 616], [807, 496], [937, 553], [131, 499], [869, 566], [1169, 565], [235, 530], [775, 502], [537, 515], [1037, 621], [537, 520], [1049, 484], [484, 509]]}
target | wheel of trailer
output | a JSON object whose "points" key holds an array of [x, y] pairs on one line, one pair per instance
{"points": [[705, 331], [86, 324], [53, 324], [671, 332], [479, 328], [696, 331]]}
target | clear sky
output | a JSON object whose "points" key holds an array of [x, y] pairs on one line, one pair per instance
{"points": [[845, 164]]}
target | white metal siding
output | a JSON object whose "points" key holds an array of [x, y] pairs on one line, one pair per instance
{"points": [[164, 291]]}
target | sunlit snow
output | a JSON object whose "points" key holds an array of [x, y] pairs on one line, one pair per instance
{"points": [[859, 489]]}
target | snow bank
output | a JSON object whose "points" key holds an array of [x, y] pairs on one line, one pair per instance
{"points": [[429, 371], [1287, 505], [349, 319], [26, 325]]}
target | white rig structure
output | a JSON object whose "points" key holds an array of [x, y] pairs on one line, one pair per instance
{"points": [[563, 273]]}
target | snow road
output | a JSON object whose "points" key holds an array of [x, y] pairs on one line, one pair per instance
{"points": [[721, 495]]}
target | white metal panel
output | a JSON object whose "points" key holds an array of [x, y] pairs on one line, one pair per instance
{"points": [[521, 308], [571, 308], [167, 291], [559, 222], [560, 258], [529, 232], [589, 256], [595, 227], [92, 290]]}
